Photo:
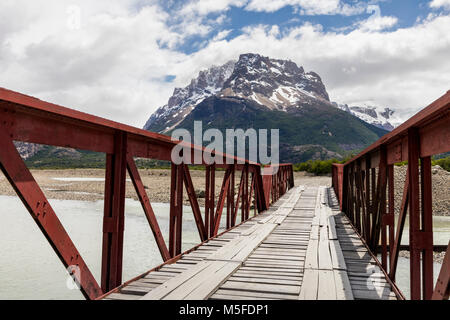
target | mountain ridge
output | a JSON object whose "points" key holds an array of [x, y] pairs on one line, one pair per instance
{"points": [[277, 84], [265, 93]]}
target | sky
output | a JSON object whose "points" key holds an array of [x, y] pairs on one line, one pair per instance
{"points": [[122, 59]]}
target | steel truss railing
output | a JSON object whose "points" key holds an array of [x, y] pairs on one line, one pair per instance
{"points": [[27, 119], [365, 188]]}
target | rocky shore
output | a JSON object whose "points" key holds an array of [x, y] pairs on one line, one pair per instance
{"points": [[88, 184], [440, 186]]}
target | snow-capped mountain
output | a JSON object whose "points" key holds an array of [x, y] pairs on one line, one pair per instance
{"points": [[183, 100], [384, 118], [276, 84], [263, 93]]}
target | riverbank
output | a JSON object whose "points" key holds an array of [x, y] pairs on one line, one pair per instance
{"points": [[88, 184]]}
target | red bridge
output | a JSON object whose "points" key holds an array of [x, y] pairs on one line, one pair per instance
{"points": [[299, 243]]}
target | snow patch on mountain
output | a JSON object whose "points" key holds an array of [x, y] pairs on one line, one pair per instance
{"points": [[384, 118]]}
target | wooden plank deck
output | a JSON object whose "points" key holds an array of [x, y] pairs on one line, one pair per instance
{"points": [[301, 248]]}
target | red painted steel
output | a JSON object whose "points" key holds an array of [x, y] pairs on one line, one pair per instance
{"points": [[42, 212], [425, 134], [194, 204], [442, 289], [114, 214], [147, 207], [27, 119]]}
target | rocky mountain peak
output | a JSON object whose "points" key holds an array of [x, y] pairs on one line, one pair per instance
{"points": [[277, 84], [274, 83], [384, 118]]}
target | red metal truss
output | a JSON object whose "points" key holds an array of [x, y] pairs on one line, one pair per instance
{"points": [[365, 189], [27, 119], [148, 210], [442, 289], [194, 204], [42, 212], [114, 214]]}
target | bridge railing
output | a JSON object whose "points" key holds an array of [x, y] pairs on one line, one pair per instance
{"points": [[365, 189], [27, 119]]}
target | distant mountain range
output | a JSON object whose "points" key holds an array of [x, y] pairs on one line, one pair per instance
{"points": [[384, 118], [263, 93]]}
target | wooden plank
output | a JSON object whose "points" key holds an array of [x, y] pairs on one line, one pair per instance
{"points": [[273, 271], [324, 251], [256, 274], [265, 280], [255, 295], [311, 260], [209, 284], [337, 256], [314, 232], [310, 285], [327, 287], [163, 290], [343, 286], [323, 216], [332, 234], [259, 287], [121, 296]]}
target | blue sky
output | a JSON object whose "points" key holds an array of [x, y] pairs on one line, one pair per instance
{"points": [[408, 12], [122, 59]]}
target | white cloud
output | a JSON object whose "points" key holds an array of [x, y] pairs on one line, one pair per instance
{"points": [[377, 22], [116, 63], [405, 69], [440, 4], [204, 7], [307, 7], [221, 35]]}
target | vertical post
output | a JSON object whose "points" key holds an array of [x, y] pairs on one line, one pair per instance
{"points": [[212, 190], [176, 210], [113, 218], [351, 209], [230, 196], [427, 227], [391, 208], [368, 194], [244, 193], [239, 196], [344, 186], [207, 195], [381, 215], [414, 213], [358, 199]]}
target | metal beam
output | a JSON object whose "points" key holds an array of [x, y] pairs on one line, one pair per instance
{"points": [[114, 214], [146, 205], [43, 214]]}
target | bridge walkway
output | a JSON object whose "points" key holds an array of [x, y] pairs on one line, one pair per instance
{"points": [[301, 248]]}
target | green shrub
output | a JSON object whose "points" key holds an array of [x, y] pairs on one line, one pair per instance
{"points": [[318, 167], [444, 163]]}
